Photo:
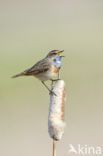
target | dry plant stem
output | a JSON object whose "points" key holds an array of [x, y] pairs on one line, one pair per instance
{"points": [[54, 147]]}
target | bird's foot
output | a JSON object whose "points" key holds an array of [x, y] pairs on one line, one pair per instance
{"points": [[51, 92], [56, 80]]}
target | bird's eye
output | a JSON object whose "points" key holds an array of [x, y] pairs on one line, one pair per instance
{"points": [[54, 53]]}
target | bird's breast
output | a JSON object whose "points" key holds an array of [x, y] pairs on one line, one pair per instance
{"points": [[55, 70], [57, 64]]}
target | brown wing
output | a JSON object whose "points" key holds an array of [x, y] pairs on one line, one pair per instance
{"points": [[40, 67]]}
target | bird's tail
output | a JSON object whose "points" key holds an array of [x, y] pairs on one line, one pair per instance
{"points": [[20, 74]]}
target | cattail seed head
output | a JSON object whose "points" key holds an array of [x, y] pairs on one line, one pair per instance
{"points": [[56, 111]]}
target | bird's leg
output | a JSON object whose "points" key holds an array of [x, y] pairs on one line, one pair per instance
{"points": [[51, 92], [57, 78], [59, 75], [45, 85], [52, 82]]}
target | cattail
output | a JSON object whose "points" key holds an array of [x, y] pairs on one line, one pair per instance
{"points": [[56, 111]]}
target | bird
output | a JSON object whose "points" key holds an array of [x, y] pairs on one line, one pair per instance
{"points": [[45, 69]]}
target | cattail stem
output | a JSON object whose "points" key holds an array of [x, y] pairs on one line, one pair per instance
{"points": [[54, 147]]}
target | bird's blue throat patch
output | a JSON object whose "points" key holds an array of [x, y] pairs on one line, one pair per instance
{"points": [[57, 62]]}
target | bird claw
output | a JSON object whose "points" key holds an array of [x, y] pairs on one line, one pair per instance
{"points": [[56, 80], [51, 92]]}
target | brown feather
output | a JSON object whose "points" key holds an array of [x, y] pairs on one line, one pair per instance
{"points": [[39, 67], [20, 74]]}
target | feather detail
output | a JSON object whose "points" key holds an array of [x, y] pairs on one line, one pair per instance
{"points": [[56, 70]]}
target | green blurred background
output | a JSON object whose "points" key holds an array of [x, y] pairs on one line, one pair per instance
{"points": [[28, 31]]}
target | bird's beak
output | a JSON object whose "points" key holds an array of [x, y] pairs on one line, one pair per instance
{"points": [[62, 56], [59, 53]]}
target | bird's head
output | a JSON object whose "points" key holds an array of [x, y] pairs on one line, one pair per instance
{"points": [[52, 54]]}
